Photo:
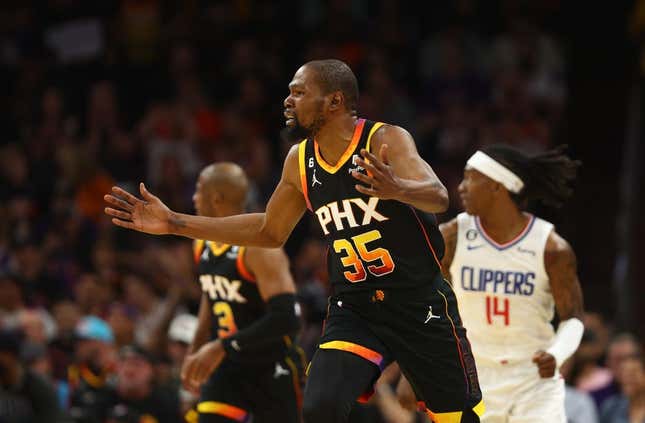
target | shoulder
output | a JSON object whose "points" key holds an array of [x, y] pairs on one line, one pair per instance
{"points": [[389, 132], [557, 245], [557, 251], [292, 155], [291, 170]]}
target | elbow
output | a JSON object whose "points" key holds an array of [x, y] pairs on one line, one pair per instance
{"points": [[273, 242], [440, 200], [443, 200], [269, 239]]}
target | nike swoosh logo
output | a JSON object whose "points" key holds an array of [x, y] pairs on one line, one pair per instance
{"points": [[474, 247]]}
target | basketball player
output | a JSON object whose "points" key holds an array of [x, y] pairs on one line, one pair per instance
{"points": [[510, 269], [243, 352], [384, 250]]}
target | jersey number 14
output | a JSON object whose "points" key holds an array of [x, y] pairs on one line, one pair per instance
{"points": [[495, 307]]}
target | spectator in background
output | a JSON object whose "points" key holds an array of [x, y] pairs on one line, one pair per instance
{"points": [[180, 335], [588, 374], [135, 396], [621, 347], [25, 396], [628, 407], [93, 364], [578, 405], [122, 319], [11, 298], [61, 350]]}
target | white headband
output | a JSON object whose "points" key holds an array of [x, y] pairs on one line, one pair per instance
{"points": [[494, 170]]}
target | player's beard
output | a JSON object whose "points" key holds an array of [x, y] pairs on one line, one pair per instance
{"points": [[298, 132]]}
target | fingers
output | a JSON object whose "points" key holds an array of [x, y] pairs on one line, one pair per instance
{"points": [[375, 161], [124, 205], [126, 195], [367, 180], [369, 167], [545, 363], [145, 193], [367, 191], [189, 374], [118, 213], [124, 224]]}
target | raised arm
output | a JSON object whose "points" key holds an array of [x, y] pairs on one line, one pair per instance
{"points": [[399, 173], [449, 232], [269, 229]]}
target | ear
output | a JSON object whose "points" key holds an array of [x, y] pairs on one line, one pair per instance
{"points": [[496, 187], [215, 199], [336, 101]]}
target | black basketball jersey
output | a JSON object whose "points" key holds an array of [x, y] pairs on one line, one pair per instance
{"points": [[233, 296], [373, 243]]}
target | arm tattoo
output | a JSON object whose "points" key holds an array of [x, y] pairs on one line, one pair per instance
{"points": [[176, 222]]}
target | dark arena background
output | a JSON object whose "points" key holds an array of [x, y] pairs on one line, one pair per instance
{"points": [[102, 93]]}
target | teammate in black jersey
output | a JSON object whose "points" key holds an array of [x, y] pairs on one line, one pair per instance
{"points": [[390, 301], [243, 356]]}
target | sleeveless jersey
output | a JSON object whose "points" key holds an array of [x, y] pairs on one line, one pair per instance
{"points": [[233, 296], [503, 291], [373, 243]]}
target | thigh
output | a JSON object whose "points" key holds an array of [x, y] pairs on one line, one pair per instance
{"points": [[346, 330], [275, 393], [425, 336], [337, 378], [221, 399], [499, 388], [543, 402]]}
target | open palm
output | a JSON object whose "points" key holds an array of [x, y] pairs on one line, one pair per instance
{"points": [[149, 215]]}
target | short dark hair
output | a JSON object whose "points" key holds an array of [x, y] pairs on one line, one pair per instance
{"points": [[336, 75], [547, 176]]}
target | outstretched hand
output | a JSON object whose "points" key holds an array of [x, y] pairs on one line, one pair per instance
{"points": [[380, 180], [149, 215]]}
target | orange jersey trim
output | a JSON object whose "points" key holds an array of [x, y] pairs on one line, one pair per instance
{"points": [[359, 350], [454, 334], [226, 410], [375, 128], [303, 172], [241, 267], [358, 130], [295, 377], [198, 247]]}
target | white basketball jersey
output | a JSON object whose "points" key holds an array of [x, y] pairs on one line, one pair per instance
{"points": [[503, 290]]}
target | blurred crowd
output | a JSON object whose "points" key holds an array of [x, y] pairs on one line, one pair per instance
{"points": [[95, 320]]}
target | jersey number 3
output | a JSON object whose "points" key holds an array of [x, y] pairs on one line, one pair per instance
{"points": [[225, 320], [357, 256]]}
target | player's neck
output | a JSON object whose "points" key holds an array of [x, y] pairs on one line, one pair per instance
{"points": [[503, 222], [334, 138]]}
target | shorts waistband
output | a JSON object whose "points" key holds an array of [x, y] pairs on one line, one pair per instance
{"points": [[377, 295]]}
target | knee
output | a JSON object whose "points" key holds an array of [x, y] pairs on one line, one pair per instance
{"points": [[323, 409]]}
